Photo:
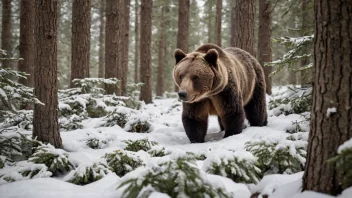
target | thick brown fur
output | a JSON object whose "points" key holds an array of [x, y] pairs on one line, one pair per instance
{"points": [[229, 83]]}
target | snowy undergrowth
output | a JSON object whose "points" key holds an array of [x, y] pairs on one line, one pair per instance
{"points": [[152, 163]]}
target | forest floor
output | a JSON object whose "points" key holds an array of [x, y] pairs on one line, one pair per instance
{"points": [[168, 131]]}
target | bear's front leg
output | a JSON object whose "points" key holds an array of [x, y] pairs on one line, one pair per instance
{"points": [[195, 120], [231, 112]]}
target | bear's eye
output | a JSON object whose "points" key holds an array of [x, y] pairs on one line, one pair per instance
{"points": [[195, 77], [180, 76]]}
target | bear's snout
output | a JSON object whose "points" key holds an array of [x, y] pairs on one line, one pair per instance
{"points": [[182, 95]]}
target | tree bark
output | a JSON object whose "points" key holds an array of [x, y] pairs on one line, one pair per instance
{"points": [[112, 29], [183, 26], [145, 50], [218, 21], [6, 31], [80, 42], [264, 40], [125, 19], [161, 55], [27, 47], [136, 46], [305, 74], [45, 118], [331, 89], [209, 7], [101, 73], [242, 25]]}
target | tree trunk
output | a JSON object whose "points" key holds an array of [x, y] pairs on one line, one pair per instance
{"points": [[112, 43], [6, 31], [45, 118], [209, 5], [331, 89], [161, 55], [27, 47], [101, 40], [125, 20], [264, 40], [218, 21], [307, 73], [242, 25], [145, 50], [183, 26], [136, 45], [80, 42]]}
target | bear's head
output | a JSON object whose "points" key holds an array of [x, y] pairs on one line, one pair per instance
{"points": [[197, 74]]}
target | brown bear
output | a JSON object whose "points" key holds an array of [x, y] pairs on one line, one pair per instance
{"points": [[229, 83]]}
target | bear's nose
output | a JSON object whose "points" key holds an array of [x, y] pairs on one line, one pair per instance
{"points": [[182, 95]]}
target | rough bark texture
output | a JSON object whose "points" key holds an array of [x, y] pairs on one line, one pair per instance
{"points": [[305, 74], [136, 46], [112, 43], [218, 21], [6, 31], [242, 25], [27, 47], [209, 6], [101, 73], [145, 50], [161, 55], [45, 118], [125, 20], [80, 42], [332, 89], [264, 40], [183, 26]]}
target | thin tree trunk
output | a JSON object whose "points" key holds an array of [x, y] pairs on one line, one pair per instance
{"points": [[27, 47], [124, 50], [101, 40], [145, 50], [218, 21], [112, 43], [332, 89], [210, 20], [242, 25], [136, 46], [183, 26], [6, 31], [161, 55], [80, 42], [45, 118], [264, 40]]}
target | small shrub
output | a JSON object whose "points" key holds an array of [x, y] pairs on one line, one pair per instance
{"points": [[238, 166], [96, 108], [137, 145], [72, 123], [138, 124], [158, 151], [279, 157], [177, 178], [122, 162], [117, 117], [84, 174], [343, 163], [22, 119], [23, 171], [96, 143], [55, 159]]}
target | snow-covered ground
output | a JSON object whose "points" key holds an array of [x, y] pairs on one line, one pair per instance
{"points": [[167, 130]]}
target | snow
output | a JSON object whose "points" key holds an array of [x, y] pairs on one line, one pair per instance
{"points": [[345, 145], [167, 129], [330, 111]]}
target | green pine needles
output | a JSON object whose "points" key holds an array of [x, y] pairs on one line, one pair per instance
{"points": [[233, 165], [137, 145], [177, 178], [84, 174], [122, 162], [55, 159], [279, 157]]}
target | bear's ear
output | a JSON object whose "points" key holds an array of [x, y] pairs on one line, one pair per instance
{"points": [[211, 57], [179, 55]]}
